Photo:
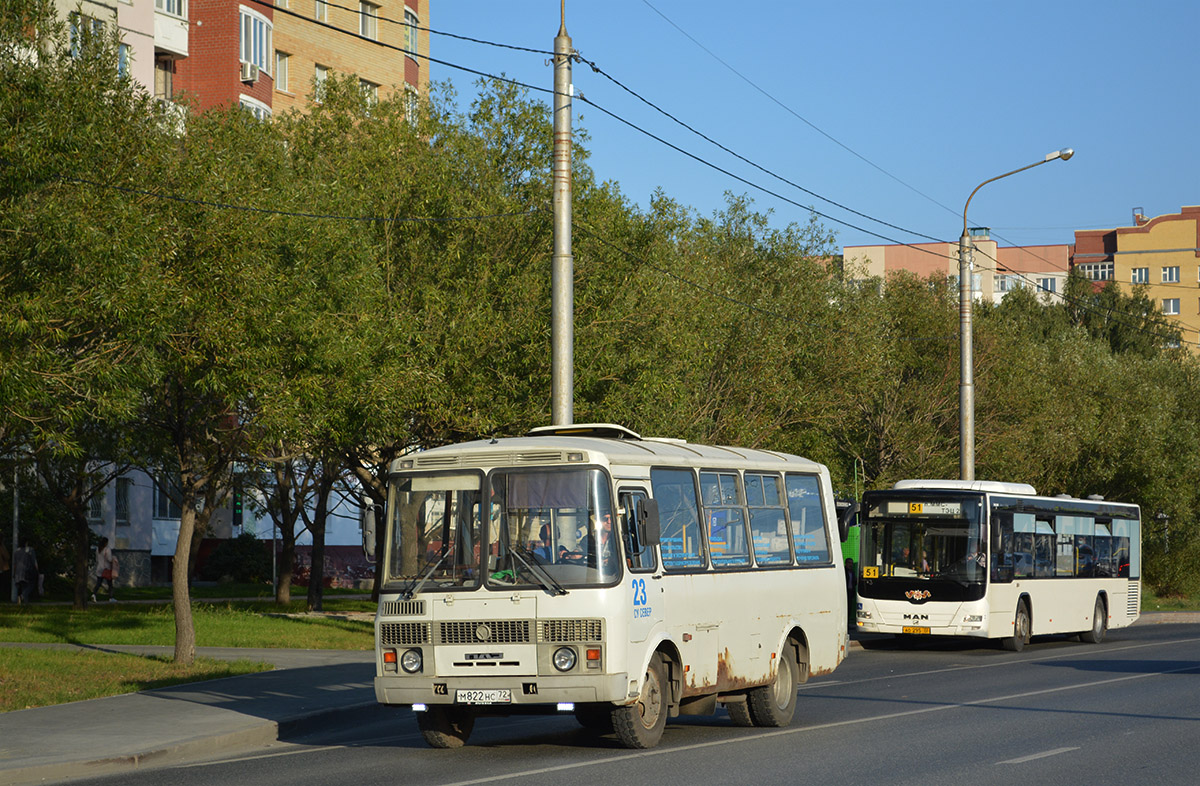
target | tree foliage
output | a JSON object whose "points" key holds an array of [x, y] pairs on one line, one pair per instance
{"points": [[334, 288]]}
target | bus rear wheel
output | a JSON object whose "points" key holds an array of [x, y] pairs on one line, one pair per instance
{"points": [[446, 727], [1099, 624], [774, 705], [640, 725], [1021, 630], [739, 713]]}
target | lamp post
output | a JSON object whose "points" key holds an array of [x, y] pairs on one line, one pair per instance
{"points": [[966, 385]]}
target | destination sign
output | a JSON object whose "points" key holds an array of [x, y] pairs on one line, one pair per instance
{"points": [[923, 508]]}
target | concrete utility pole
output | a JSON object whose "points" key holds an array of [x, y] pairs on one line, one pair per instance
{"points": [[966, 385], [562, 277]]}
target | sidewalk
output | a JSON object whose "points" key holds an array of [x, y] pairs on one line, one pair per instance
{"points": [[102, 736]]}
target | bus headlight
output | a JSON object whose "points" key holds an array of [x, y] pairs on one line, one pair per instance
{"points": [[410, 661], [564, 659]]}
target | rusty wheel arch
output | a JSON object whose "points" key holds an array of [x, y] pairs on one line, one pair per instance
{"points": [[796, 646]]}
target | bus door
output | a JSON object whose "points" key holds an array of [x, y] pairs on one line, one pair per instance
{"points": [[644, 580]]}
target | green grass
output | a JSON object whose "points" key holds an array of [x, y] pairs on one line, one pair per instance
{"points": [[240, 624], [62, 593], [39, 678], [1152, 602]]}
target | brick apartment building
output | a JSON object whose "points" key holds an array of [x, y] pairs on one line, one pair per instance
{"points": [[271, 58]]}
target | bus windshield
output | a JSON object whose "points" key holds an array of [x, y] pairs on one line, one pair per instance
{"points": [[912, 544], [551, 529], [434, 532]]}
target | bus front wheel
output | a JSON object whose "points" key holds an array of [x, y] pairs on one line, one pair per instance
{"points": [[1099, 624], [1021, 630], [641, 724], [446, 727]]}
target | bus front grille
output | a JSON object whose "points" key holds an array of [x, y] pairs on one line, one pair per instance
{"points": [[491, 631], [570, 630], [403, 634], [402, 608]]}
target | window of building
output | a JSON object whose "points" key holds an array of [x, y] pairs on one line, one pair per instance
{"points": [[84, 30], [320, 74], [255, 107], [1007, 282], [256, 39], [1170, 274], [167, 497], [1097, 271], [123, 60], [370, 90], [172, 7], [281, 71], [122, 501], [96, 508], [320, 11], [1170, 305], [281, 3], [1049, 284], [411, 23], [1141, 275], [410, 105], [368, 16], [164, 78]]}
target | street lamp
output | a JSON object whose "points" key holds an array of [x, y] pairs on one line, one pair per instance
{"points": [[966, 385]]}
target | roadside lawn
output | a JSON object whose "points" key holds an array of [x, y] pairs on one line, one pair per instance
{"points": [[227, 624], [40, 677]]}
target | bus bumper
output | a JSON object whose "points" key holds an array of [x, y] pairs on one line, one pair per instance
{"points": [[523, 690]]}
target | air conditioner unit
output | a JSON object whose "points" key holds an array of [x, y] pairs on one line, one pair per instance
{"points": [[249, 72]]}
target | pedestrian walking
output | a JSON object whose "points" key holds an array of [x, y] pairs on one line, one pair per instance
{"points": [[25, 572], [106, 569]]}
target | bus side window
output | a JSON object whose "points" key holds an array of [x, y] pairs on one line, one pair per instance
{"points": [[1003, 562], [638, 556]]}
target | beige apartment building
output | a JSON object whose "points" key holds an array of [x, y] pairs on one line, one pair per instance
{"points": [[996, 271], [1161, 254]]}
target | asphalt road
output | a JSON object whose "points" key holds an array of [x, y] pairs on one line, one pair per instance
{"points": [[1125, 711]]}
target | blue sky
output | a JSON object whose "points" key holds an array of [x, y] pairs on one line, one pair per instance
{"points": [[896, 110]]}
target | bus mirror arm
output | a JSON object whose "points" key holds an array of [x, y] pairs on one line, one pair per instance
{"points": [[647, 516], [368, 530], [847, 510]]}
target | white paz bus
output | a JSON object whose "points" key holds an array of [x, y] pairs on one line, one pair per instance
{"points": [[585, 569], [995, 560]]}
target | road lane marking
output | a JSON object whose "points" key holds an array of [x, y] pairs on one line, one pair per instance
{"points": [[1033, 756], [815, 684], [806, 729]]}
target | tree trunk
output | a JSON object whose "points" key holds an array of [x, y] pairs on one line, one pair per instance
{"points": [[82, 552], [316, 574], [185, 630]]}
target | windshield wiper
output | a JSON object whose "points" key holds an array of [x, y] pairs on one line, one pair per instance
{"points": [[530, 560], [415, 585]]}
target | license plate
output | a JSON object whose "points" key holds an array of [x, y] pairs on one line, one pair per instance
{"points": [[483, 696], [907, 629]]}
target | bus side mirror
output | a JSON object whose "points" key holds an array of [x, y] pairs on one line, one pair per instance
{"points": [[847, 510], [647, 516], [368, 530]]}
